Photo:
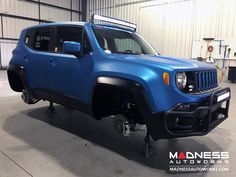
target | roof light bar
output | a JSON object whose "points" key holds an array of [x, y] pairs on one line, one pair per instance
{"points": [[95, 17]]}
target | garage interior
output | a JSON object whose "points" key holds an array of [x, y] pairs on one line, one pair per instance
{"points": [[69, 143]]}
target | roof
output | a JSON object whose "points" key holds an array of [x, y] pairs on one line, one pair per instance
{"points": [[76, 23], [59, 23]]}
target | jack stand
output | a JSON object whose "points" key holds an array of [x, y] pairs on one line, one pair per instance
{"points": [[51, 108], [50, 112], [148, 148]]}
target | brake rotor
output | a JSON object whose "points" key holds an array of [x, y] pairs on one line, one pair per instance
{"points": [[122, 125]]}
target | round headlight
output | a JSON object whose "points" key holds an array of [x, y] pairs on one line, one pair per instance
{"points": [[181, 80]]}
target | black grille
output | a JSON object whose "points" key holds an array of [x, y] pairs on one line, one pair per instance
{"points": [[205, 80]]}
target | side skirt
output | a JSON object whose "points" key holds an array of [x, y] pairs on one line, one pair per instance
{"points": [[64, 100]]}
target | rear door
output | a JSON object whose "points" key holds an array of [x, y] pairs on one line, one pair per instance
{"points": [[39, 57]]}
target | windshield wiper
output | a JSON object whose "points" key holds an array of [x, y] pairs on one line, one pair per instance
{"points": [[151, 54], [130, 53]]}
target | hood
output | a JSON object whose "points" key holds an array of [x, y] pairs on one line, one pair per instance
{"points": [[164, 62]]}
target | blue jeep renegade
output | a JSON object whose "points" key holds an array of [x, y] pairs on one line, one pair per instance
{"points": [[108, 69]]}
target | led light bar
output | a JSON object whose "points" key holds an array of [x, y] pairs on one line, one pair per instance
{"points": [[221, 97], [95, 17]]}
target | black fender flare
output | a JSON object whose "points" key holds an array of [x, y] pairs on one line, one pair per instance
{"points": [[141, 100], [134, 87], [20, 70]]}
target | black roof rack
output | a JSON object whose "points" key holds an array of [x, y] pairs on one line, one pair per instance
{"points": [[111, 20]]}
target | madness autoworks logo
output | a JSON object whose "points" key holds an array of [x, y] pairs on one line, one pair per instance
{"points": [[199, 161]]}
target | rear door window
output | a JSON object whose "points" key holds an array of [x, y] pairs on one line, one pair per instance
{"points": [[42, 40]]}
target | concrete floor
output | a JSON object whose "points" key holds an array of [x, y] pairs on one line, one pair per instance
{"points": [[32, 143]]}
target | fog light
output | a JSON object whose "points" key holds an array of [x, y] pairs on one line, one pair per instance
{"points": [[220, 116]]}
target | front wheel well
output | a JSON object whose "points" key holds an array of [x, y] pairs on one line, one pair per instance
{"points": [[15, 81], [112, 100]]}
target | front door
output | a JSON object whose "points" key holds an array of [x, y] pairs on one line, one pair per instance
{"points": [[70, 76]]}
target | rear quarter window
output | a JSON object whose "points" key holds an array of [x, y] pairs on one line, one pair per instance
{"points": [[28, 38]]}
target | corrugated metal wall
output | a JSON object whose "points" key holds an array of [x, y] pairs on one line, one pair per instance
{"points": [[11, 27], [172, 25]]}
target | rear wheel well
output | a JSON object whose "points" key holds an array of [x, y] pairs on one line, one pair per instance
{"points": [[111, 100], [15, 81]]}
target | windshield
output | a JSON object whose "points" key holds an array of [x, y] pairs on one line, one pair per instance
{"points": [[119, 41]]}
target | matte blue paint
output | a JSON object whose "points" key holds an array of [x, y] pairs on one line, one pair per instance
{"points": [[71, 47], [76, 76]]}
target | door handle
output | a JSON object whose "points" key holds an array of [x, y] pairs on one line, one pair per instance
{"points": [[26, 59]]}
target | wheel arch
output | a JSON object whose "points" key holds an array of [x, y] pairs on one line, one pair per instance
{"points": [[134, 88], [17, 78], [152, 119]]}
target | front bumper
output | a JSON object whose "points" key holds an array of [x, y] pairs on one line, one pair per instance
{"points": [[191, 119]]}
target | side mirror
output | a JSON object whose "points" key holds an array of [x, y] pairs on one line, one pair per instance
{"points": [[71, 47]]}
